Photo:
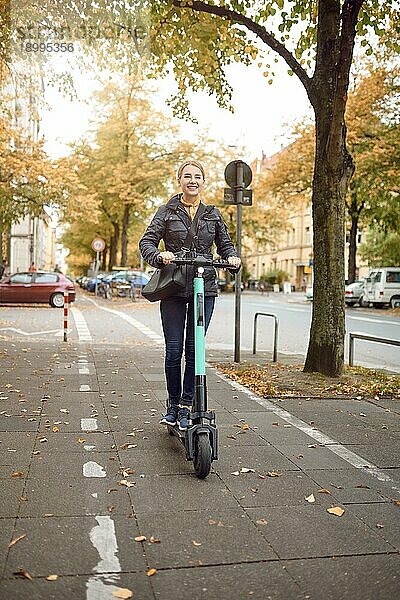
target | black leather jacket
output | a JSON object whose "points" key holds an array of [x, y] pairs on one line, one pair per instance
{"points": [[171, 224]]}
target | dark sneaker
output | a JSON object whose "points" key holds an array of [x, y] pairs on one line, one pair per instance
{"points": [[183, 417], [170, 417]]}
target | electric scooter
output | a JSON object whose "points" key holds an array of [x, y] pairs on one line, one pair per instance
{"points": [[201, 437]]}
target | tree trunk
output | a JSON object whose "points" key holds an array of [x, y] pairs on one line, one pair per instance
{"points": [[354, 212], [351, 275], [104, 259], [333, 169], [114, 247], [124, 236]]}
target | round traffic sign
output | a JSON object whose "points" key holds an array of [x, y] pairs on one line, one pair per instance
{"points": [[98, 245], [231, 173]]}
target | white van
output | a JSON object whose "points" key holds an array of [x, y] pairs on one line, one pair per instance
{"points": [[382, 286]]}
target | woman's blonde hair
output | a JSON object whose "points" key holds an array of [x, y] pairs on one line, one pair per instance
{"points": [[195, 163]]}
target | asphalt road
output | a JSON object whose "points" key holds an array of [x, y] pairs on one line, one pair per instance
{"points": [[121, 321]]}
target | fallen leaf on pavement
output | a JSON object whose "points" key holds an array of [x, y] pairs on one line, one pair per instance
{"points": [[17, 474], [261, 476], [310, 498], [235, 473], [324, 491], [126, 483], [196, 543], [81, 440], [52, 577], [397, 502], [154, 540], [274, 474], [132, 434], [379, 526], [127, 472], [362, 485], [245, 426], [246, 470], [122, 593], [151, 572], [214, 522], [336, 510], [262, 522], [231, 437], [140, 538], [16, 540], [56, 429], [24, 573]]}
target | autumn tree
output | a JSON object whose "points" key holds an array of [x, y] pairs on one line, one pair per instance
{"points": [[373, 132], [29, 180], [316, 40]]}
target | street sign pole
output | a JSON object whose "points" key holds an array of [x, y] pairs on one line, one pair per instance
{"points": [[238, 176], [98, 245], [96, 273], [238, 278]]}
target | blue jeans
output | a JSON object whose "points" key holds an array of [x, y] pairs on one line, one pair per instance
{"points": [[176, 313]]}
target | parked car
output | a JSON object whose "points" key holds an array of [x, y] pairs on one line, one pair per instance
{"points": [[221, 284], [382, 287], [90, 284], [120, 283], [354, 293], [309, 293], [40, 286]]}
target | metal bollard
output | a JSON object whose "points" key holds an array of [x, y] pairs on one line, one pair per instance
{"points": [[66, 305]]}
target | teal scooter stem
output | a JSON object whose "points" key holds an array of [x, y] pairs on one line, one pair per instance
{"points": [[201, 437]]}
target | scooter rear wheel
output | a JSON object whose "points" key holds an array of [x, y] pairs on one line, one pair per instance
{"points": [[202, 455]]}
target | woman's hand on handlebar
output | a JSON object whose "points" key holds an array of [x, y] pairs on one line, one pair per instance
{"points": [[234, 261], [166, 257]]}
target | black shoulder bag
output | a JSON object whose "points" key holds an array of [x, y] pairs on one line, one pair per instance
{"points": [[170, 279]]}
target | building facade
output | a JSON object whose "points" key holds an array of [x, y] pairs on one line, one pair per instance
{"points": [[293, 250]]}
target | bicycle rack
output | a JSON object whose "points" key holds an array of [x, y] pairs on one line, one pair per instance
{"points": [[369, 338], [275, 351]]}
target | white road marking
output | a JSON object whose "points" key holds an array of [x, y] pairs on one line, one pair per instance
{"points": [[98, 590], [354, 459], [137, 324], [89, 424], [20, 331], [89, 448], [81, 325], [104, 540], [84, 388], [381, 321], [93, 469], [83, 371]]}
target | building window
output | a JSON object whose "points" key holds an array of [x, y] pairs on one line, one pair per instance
{"points": [[307, 237]]}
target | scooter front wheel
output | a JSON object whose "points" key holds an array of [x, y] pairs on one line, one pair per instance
{"points": [[202, 455]]}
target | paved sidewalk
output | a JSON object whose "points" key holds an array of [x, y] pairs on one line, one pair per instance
{"points": [[85, 469]]}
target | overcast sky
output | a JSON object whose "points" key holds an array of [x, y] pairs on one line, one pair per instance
{"points": [[259, 123]]}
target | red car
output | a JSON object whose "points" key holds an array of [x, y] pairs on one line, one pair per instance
{"points": [[41, 286]]}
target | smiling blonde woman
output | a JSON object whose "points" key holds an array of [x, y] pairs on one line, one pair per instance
{"points": [[171, 224]]}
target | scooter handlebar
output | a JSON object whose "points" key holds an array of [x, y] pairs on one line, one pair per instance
{"points": [[203, 261]]}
